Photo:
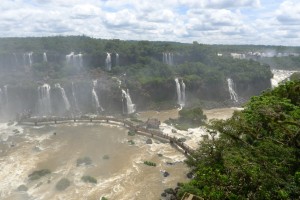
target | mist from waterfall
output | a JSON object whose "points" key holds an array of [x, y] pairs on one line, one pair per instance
{"points": [[45, 57], [168, 58], [232, 93], [95, 97], [180, 89], [44, 99], [130, 106], [108, 61], [64, 96]]}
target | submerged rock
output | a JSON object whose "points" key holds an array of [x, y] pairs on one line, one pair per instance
{"points": [[149, 141], [166, 174], [189, 175], [22, 188], [153, 123]]}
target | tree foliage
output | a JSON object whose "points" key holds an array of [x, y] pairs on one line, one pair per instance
{"points": [[257, 153]]}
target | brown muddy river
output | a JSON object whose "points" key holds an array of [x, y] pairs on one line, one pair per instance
{"points": [[122, 176]]}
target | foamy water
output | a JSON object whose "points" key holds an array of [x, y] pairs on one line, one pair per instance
{"points": [[122, 176]]}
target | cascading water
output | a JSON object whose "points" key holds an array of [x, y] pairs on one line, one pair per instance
{"points": [[130, 106], [232, 93], [95, 97], [74, 98], [183, 92], [64, 96], [27, 59], [279, 76], [45, 57], [108, 62], [69, 58], [117, 59], [78, 60], [180, 92], [30, 58], [74, 60], [168, 58], [44, 99]]}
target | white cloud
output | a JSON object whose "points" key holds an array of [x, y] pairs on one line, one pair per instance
{"points": [[206, 21]]}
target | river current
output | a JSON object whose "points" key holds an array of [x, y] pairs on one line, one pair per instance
{"points": [[116, 163]]}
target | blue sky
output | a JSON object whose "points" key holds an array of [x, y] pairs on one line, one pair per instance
{"points": [[268, 22]]}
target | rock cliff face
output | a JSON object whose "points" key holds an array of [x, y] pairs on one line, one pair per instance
{"points": [[145, 70], [152, 95]]}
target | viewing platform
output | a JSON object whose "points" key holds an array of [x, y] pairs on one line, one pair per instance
{"points": [[137, 128]]}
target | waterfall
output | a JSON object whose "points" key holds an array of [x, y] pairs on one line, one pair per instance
{"points": [[279, 76], [64, 96], [183, 92], [45, 57], [95, 97], [130, 106], [108, 62], [180, 92], [233, 94], [117, 59], [168, 58], [74, 97], [5, 94], [78, 60], [30, 58], [44, 99], [69, 57], [27, 58], [74, 60]]}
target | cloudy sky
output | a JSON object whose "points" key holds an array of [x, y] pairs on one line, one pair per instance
{"points": [[269, 22]]}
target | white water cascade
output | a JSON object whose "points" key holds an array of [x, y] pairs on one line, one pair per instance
{"points": [[168, 58], [74, 98], [130, 106], [279, 76], [64, 96], [45, 57], [78, 60], [74, 60], [95, 97], [44, 99], [69, 57], [232, 93], [27, 57], [108, 62], [30, 58], [117, 59], [180, 92]]}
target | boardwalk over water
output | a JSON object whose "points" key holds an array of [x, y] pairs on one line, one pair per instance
{"points": [[137, 128]]}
